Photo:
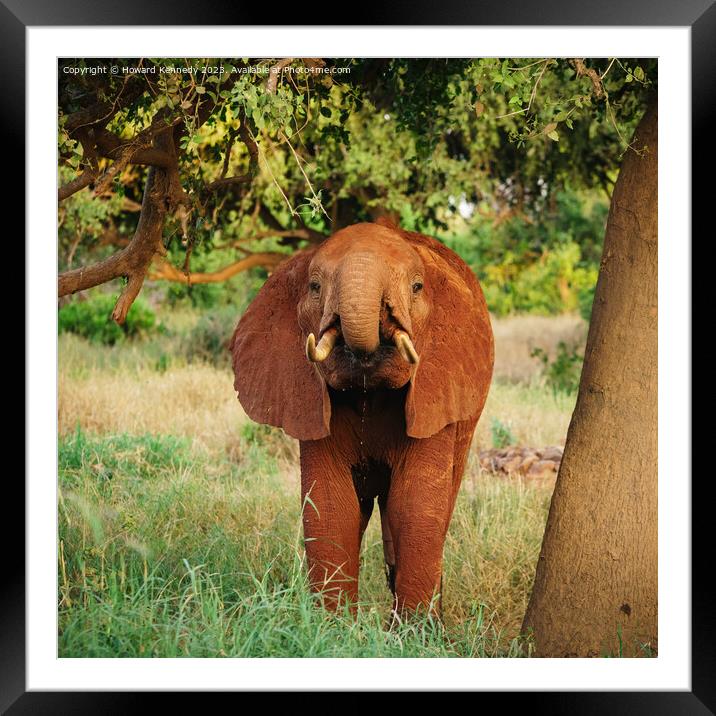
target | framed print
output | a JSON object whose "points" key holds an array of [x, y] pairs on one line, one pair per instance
{"points": [[357, 278]]}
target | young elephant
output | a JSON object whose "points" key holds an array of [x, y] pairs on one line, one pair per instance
{"points": [[375, 350]]}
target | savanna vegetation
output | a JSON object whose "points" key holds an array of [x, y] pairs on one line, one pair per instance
{"points": [[183, 184], [179, 519]]}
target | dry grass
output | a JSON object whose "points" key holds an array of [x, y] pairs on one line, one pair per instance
{"points": [[195, 401], [198, 402], [516, 336], [240, 514], [535, 417], [113, 390]]}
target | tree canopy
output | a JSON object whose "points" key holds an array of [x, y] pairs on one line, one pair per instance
{"points": [[195, 170]]}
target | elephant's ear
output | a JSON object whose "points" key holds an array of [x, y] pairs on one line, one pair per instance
{"points": [[456, 351], [275, 382]]}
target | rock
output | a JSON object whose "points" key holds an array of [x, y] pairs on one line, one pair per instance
{"points": [[534, 463], [510, 464], [553, 452], [527, 463], [542, 469]]}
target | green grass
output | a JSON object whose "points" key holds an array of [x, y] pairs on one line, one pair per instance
{"points": [[167, 550], [180, 527]]}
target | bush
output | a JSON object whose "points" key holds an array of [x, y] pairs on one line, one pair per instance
{"points": [[563, 373], [502, 435], [91, 318], [543, 264], [586, 299], [553, 284], [209, 340]]}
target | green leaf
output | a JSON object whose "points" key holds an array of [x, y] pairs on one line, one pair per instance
{"points": [[639, 73], [554, 135]]}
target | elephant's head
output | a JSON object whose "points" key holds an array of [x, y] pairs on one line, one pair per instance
{"points": [[372, 307]]}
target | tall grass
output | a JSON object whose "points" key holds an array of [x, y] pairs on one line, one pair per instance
{"points": [[166, 550], [108, 393], [517, 336], [180, 526]]}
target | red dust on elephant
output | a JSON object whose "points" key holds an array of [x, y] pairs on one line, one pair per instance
{"points": [[375, 351]]}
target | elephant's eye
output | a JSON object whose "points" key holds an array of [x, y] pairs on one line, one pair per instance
{"points": [[314, 286], [417, 287]]}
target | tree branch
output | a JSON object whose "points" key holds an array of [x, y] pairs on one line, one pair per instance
{"points": [[583, 70], [253, 150], [227, 155], [112, 147], [72, 187], [133, 261], [274, 74], [102, 112], [304, 232], [163, 270], [135, 150], [102, 143], [298, 234], [90, 172]]}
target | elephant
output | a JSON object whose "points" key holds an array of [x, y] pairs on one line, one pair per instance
{"points": [[375, 350]]}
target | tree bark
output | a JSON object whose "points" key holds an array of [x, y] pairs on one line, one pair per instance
{"points": [[160, 195], [595, 590], [163, 270]]}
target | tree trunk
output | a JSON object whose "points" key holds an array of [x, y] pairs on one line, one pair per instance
{"points": [[595, 591]]}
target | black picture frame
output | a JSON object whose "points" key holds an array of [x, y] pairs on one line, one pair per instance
{"points": [[699, 15]]}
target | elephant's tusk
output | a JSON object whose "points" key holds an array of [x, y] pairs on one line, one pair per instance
{"points": [[318, 353], [405, 346]]}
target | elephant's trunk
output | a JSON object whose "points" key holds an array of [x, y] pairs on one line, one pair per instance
{"points": [[360, 295]]}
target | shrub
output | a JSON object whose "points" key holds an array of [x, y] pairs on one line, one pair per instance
{"points": [[545, 263], [563, 373], [91, 318], [586, 299], [553, 284], [501, 434], [209, 340]]}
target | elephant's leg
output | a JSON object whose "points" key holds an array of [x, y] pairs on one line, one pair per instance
{"points": [[419, 507], [333, 523]]}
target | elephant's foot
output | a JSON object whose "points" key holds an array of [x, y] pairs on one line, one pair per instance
{"points": [[417, 594], [335, 590], [426, 614]]}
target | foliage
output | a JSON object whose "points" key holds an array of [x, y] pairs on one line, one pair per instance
{"points": [[542, 265], [563, 373], [166, 551], [85, 222], [237, 291], [586, 299], [446, 146], [88, 318], [209, 339], [550, 285], [501, 434]]}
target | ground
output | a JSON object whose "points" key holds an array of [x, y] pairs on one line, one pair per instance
{"points": [[179, 519]]}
